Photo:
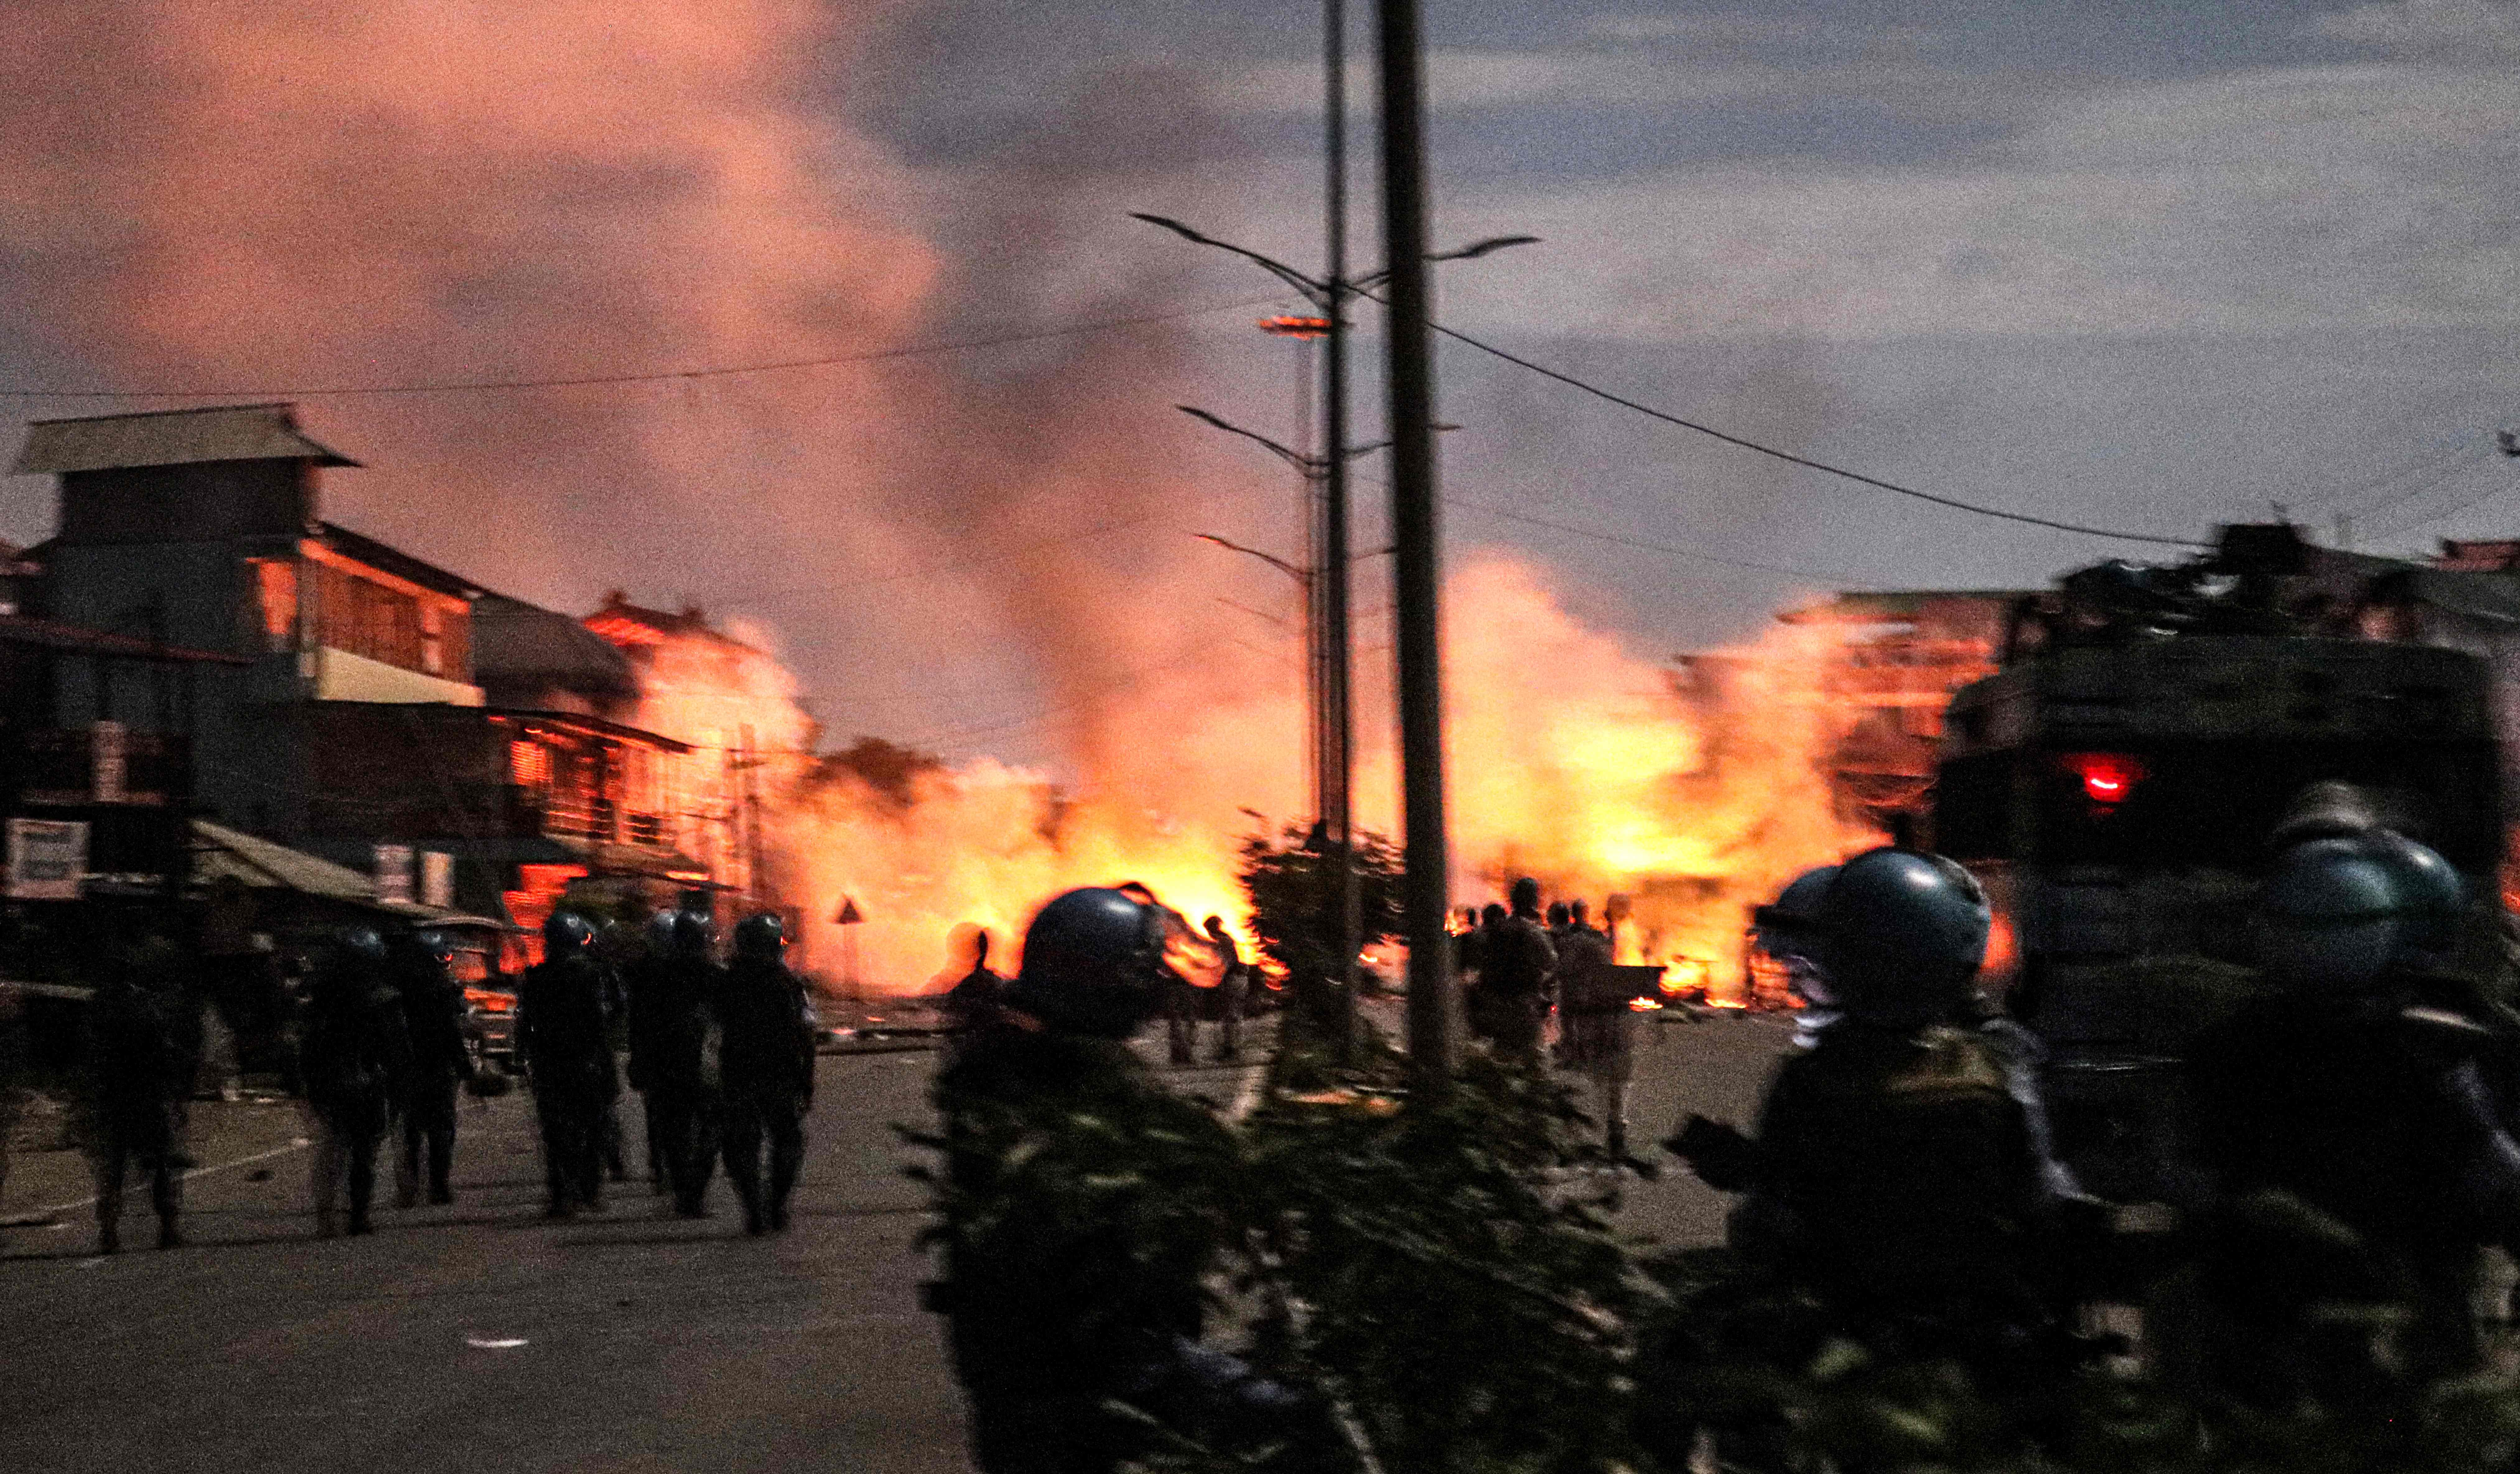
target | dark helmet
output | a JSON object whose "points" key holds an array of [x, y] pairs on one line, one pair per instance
{"points": [[1093, 963], [1902, 932], [363, 944], [435, 943], [1558, 914], [1787, 926], [2431, 893], [566, 932], [692, 935], [2327, 915], [657, 935], [763, 937], [1525, 896], [2324, 811]]}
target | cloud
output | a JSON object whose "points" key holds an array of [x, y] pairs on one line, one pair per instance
{"points": [[2369, 197], [2474, 28]]}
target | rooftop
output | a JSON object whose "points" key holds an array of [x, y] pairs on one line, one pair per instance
{"points": [[171, 437]]}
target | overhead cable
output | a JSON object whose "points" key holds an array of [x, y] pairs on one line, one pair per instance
{"points": [[1805, 461], [1693, 554], [717, 371]]}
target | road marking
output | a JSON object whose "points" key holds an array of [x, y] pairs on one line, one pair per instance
{"points": [[298, 1146]]}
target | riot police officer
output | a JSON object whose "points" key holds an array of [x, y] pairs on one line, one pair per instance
{"points": [[435, 1065], [674, 1053], [1901, 1156], [562, 1024], [766, 1064], [1057, 1306], [354, 1052], [2359, 1084], [1516, 961], [140, 1060]]}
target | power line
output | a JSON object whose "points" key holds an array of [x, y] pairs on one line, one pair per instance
{"points": [[1634, 542], [719, 370], [1805, 461]]}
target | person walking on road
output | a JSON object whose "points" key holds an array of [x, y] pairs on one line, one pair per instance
{"points": [[568, 1052], [140, 1063], [767, 1072], [674, 1053], [437, 1066], [972, 1002], [1231, 992], [354, 1052], [1596, 1025], [1516, 961]]}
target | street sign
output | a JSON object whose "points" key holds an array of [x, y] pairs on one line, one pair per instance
{"points": [[46, 858], [849, 915]]}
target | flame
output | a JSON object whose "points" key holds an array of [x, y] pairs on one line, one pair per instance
{"points": [[1574, 760]]}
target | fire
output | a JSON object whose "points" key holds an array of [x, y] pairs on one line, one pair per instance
{"points": [[1574, 760]]}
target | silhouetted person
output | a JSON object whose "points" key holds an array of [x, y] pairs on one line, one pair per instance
{"points": [[563, 1024], [354, 1050], [140, 1059], [437, 1065], [672, 991], [1231, 992], [974, 1001], [767, 1064], [1517, 960]]}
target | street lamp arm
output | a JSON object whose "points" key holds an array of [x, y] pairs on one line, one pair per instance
{"points": [[1297, 459], [1360, 286], [1316, 291], [1300, 575]]}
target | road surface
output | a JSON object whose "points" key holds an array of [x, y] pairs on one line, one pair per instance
{"points": [[478, 1337]]}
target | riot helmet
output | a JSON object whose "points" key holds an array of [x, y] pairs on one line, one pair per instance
{"points": [[761, 937], [692, 935], [361, 944], [439, 945], [1787, 931], [659, 932], [565, 933], [1902, 932], [1093, 963], [2325, 810], [2328, 916], [1525, 897], [2431, 896]]}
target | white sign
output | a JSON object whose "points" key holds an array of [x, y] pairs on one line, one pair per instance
{"points": [[438, 879], [394, 872], [46, 858], [108, 753]]}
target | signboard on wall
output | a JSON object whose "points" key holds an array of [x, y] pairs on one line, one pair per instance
{"points": [[394, 872], [110, 756], [438, 879], [46, 858]]}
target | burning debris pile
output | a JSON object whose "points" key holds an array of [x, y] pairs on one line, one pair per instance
{"points": [[1692, 793]]}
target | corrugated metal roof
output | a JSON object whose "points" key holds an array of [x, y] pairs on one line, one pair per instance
{"points": [[223, 852], [517, 641], [171, 437], [361, 548]]}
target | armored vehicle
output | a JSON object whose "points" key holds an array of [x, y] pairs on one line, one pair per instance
{"points": [[2115, 786]]}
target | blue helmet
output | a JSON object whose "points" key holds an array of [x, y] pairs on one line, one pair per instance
{"points": [[1902, 932], [1787, 925], [565, 933], [2328, 916], [1093, 963], [763, 937], [2432, 894]]}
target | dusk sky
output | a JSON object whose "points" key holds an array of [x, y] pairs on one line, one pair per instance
{"points": [[2143, 265]]}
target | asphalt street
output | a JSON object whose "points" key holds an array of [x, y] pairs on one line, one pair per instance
{"points": [[478, 1336]]}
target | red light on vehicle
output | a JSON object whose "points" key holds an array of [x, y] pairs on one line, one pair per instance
{"points": [[2107, 777]]}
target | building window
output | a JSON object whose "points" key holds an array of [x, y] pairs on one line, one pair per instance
{"points": [[273, 616], [529, 765]]}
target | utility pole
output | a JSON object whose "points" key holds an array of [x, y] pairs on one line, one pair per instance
{"points": [[1426, 889], [1331, 572]]}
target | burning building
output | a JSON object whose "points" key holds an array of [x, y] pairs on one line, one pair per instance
{"points": [[363, 706]]}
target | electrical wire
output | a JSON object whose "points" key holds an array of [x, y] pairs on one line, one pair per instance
{"points": [[2429, 461], [1651, 547], [718, 371], [2434, 517], [1804, 461]]}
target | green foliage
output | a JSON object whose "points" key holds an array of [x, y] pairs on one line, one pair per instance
{"points": [[1436, 1270], [1292, 886]]}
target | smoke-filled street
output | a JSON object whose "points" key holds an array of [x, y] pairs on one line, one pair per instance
{"points": [[478, 1336]]}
